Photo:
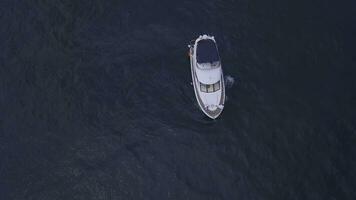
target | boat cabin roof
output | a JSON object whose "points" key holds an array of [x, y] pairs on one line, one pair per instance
{"points": [[207, 51]]}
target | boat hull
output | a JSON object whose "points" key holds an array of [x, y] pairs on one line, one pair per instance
{"points": [[211, 113]]}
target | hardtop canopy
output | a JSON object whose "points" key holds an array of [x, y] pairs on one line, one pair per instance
{"points": [[207, 51]]}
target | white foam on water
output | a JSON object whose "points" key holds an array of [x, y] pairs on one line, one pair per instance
{"points": [[229, 81]]}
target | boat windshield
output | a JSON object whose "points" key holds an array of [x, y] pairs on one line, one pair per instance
{"points": [[207, 52], [208, 88]]}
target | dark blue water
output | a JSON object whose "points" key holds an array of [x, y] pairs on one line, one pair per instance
{"points": [[96, 101]]}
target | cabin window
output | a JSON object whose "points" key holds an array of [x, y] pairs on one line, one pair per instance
{"points": [[217, 86], [203, 87], [209, 88]]}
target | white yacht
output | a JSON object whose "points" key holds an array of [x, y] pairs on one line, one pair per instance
{"points": [[207, 75]]}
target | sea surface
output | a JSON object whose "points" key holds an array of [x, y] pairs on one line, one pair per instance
{"points": [[96, 100]]}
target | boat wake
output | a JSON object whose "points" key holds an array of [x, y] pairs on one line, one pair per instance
{"points": [[229, 81]]}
